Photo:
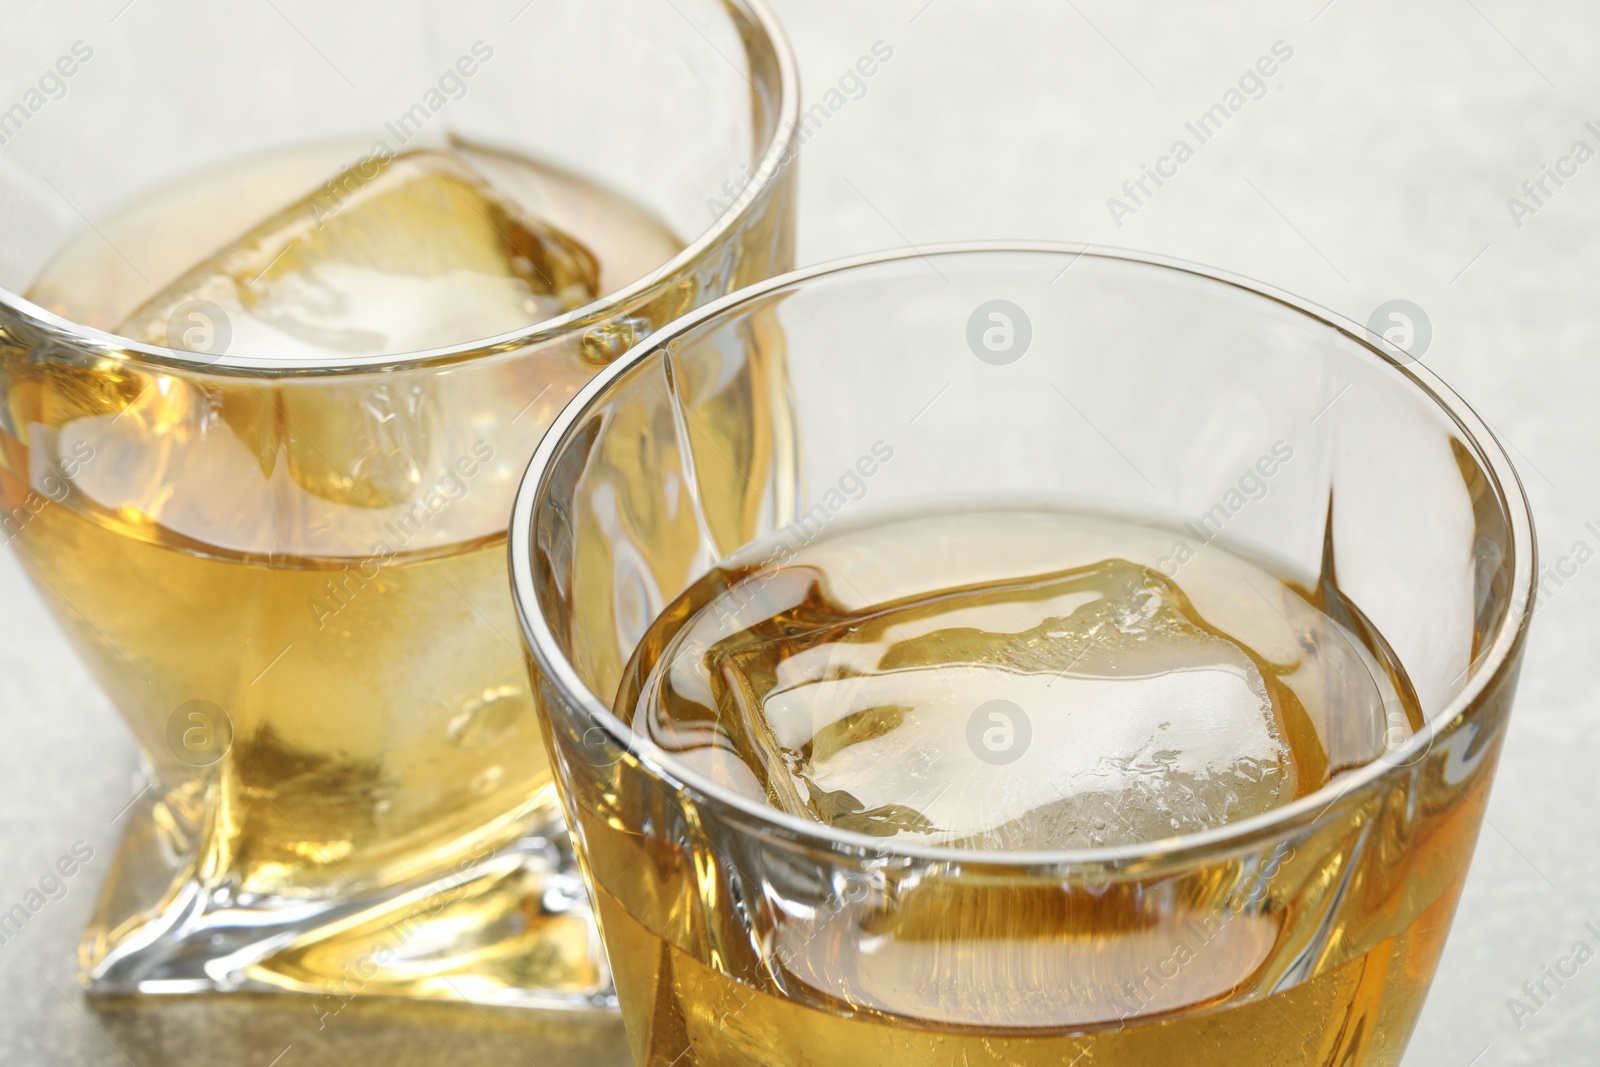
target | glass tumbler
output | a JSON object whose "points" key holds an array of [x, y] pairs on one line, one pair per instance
{"points": [[285, 563], [1111, 381]]}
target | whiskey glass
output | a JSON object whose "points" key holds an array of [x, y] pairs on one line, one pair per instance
{"points": [[286, 569], [743, 934]]}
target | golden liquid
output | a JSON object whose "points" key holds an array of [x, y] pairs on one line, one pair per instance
{"points": [[322, 560], [1360, 1013], [836, 681]]}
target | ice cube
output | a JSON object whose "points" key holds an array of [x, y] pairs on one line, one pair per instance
{"points": [[1085, 708], [402, 255], [393, 256]]}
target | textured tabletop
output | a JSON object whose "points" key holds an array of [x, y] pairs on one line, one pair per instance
{"points": [[1385, 158]]}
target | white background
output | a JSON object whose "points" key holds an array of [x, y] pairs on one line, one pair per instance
{"points": [[1377, 166]]}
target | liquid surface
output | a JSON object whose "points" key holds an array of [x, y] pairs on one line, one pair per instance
{"points": [[424, 249], [996, 680]]}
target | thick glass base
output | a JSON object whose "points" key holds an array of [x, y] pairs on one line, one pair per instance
{"points": [[512, 928]]}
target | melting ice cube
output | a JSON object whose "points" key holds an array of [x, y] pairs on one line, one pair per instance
{"points": [[393, 256], [1085, 708]]}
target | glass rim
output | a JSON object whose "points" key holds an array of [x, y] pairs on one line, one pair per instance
{"points": [[1491, 663], [778, 154]]}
